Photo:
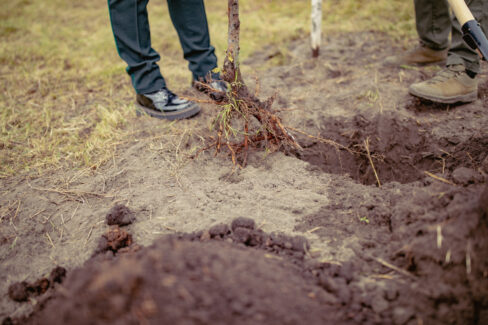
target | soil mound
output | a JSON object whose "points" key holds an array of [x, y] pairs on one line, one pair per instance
{"points": [[177, 281]]}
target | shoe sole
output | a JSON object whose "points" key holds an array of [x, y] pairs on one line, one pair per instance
{"points": [[188, 112], [468, 98], [413, 64]]}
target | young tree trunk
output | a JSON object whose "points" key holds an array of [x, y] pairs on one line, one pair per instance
{"points": [[316, 26], [241, 103], [231, 63]]}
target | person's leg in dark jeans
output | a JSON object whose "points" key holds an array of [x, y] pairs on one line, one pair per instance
{"points": [[433, 23], [190, 21]]}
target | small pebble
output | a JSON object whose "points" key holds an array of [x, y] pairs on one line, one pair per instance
{"points": [[465, 176]]}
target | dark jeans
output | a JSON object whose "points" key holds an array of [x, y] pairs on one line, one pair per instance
{"points": [[130, 26], [434, 24]]}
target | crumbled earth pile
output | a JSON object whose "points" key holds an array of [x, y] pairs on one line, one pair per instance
{"points": [[420, 254], [211, 277], [113, 240], [239, 274]]}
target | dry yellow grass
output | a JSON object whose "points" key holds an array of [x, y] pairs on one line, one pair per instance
{"points": [[65, 100]]}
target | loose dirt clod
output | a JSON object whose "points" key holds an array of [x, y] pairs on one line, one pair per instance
{"points": [[243, 223], [220, 230], [21, 291], [39, 287], [120, 215], [57, 275], [18, 291], [113, 240], [465, 176]]}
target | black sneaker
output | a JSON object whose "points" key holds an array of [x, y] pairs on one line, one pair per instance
{"points": [[164, 104], [215, 89]]}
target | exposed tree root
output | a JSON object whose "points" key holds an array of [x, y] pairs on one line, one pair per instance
{"points": [[244, 121], [237, 131]]}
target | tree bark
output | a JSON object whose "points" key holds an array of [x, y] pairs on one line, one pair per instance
{"points": [[231, 63]]}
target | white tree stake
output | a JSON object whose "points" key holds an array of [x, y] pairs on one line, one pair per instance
{"points": [[316, 26]]}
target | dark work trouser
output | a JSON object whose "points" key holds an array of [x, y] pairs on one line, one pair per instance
{"points": [[130, 26], [434, 24]]}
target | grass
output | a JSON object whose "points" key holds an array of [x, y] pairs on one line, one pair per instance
{"points": [[65, 100]]}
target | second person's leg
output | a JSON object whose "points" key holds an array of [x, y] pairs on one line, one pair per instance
{"points": [[433, 23], [460, 52], [457, 83], [190, 21]]}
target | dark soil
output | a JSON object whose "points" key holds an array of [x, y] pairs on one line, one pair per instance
{"points": [[21, 291], [57, 275], [441, 240], [401, 150], [225, 275], [210, 277]]}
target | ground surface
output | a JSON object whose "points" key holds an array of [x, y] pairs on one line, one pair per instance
{"points": [[413, 251]]}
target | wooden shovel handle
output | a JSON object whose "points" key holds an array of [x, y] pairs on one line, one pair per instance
{"points": [[461, 10]]}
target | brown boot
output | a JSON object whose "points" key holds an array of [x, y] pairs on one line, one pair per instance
{"points": [[420, 55], [450, 85]]}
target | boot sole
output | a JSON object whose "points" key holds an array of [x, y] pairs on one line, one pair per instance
{"points": [[185, 113], [468, 98], [413, 64]]}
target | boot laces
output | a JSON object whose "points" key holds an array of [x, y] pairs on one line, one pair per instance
{"points": [[444, 75]]}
